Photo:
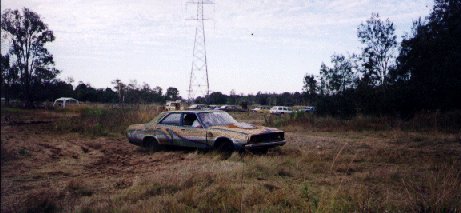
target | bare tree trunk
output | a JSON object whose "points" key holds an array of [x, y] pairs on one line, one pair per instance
{"points": [[27, 80], [7, 93]]}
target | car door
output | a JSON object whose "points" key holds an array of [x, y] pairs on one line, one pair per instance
{"points": [[169, 126], [191, 132]]}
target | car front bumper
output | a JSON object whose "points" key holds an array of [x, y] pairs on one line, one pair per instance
{"points": [[264, 145]]}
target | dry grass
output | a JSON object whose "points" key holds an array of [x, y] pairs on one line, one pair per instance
{"points": [[445, 122], [316, 171], [105, 120]]}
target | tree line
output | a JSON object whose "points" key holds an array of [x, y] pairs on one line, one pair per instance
{"points": [[419, 74], [132, 93], [261, 98], [28, 73], [129, 93], [422, 73]]}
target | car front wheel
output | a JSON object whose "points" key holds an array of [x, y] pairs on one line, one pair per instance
{"points": [[225, 149]]}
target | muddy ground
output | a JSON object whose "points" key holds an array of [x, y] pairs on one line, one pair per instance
{"points": [[43, 169]]}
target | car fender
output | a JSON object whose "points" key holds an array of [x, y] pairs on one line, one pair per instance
{"points": [[238, 144]]}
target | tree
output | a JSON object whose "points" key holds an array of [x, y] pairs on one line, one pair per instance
{"points": [[310, 88], [8, 77], [28, 35], [51, 90], [428, 66], [232, 97], [172, 93], [343, 74], [310, 85], [262, 98], [107, 95], [217, 98], [84, 92], [339, 77], [380, 44], [157, 91], [120, 87], [324, 75], [132, 92]]}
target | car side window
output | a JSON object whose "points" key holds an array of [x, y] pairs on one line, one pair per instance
{"points": [[172, 119], [189, 119]]}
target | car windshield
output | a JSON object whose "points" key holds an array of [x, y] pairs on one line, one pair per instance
{"points": [[158, 117], [216, 118]]}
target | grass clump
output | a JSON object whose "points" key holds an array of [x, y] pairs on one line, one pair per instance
{"points": [[311, 197], [23, 152], [434, 191], [79, 189]]}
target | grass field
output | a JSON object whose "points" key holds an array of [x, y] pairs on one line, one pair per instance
{"points": [[79, 160]]}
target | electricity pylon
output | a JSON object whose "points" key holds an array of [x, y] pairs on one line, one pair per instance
{"points": [[199, 84]]}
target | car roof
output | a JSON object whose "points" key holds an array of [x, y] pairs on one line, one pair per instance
{"points": [[66, 99]]}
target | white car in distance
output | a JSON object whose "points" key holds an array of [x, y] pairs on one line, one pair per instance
{"points": [[279, 110], [307, 109]]}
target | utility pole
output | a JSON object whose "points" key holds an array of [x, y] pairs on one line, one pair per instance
{"points": [[198, 81]]}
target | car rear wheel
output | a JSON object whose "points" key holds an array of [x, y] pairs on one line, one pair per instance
{"points": [[151, 144]]}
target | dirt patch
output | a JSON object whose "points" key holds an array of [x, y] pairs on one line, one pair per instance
{"points": [[45, 170]]}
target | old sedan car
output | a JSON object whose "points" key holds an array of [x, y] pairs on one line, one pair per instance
{"points": [[211, 129]]}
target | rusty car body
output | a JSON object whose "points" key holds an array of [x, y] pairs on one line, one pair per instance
{"points": [[204, 129]]}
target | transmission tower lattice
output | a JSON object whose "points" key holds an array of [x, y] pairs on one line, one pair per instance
{"points": [[198, 82]]}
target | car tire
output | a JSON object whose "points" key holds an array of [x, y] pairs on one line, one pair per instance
{"points": [[225, 150], [151, 144]]}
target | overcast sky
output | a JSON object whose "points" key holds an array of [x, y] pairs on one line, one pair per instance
{"points": [[252, 45]]}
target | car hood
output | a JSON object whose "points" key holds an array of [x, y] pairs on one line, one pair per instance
{"points": [[247, 129]]}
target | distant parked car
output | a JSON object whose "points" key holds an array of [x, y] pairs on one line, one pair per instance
{"points": [[279, 110], [65, 101], [198, 107], [256, 109], [231, 108], [261, 109], [306, 109], [173, 105], [213, 106]]}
